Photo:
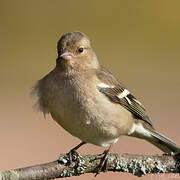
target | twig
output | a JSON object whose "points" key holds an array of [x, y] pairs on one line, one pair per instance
{"points": [[138, 165]]}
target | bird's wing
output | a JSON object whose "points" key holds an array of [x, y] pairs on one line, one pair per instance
{"points": [[117, 93]]}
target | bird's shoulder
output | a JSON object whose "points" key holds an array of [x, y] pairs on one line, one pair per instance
{"points": [[111, 87]]}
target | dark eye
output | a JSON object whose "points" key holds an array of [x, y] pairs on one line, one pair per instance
{"points": [[80, 50]]}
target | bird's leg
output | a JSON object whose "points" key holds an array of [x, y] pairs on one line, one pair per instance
{"points": [[103, 162], [73, 151]]}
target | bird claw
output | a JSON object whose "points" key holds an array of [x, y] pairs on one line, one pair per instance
{"points": [[69, 158], [103, 162], [72, 156]]}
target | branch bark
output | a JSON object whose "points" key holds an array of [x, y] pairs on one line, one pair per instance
{"points": [[138, 165]]}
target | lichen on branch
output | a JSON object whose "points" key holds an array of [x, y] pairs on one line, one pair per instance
{"points": [[138, 165]]}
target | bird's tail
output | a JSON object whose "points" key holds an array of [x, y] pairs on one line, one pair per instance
{"points": [[157, 139], [163, 143]]}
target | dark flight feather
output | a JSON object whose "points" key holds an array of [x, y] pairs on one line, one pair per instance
{"points": [[116, 88]]}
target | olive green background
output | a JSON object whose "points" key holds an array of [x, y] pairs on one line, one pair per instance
{"points": [[138, 40]]}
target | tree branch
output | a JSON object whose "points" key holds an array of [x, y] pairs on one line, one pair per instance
{"points": [[138, 165]]}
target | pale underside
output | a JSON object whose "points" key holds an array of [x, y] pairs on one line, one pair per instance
{"points": [[93, 118]]}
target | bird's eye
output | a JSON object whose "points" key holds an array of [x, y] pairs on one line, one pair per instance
{"points": [[81, 49]]}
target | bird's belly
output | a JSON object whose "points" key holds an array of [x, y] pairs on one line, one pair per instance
{"points": [[88, 130], [92, 121]]}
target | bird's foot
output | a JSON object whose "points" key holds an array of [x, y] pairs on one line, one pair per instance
{"points": [[69, 158], [72, 155], [103, 162]]}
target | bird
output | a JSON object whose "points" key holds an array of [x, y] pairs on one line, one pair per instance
{"points": [[90, 103]]}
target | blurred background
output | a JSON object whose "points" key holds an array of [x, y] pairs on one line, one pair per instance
{"points": [[139, 41]]}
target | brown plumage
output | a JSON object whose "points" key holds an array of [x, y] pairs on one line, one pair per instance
{"points": [[89, 102]]}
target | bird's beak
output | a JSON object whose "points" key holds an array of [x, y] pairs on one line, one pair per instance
{"points": [[66, 56]]}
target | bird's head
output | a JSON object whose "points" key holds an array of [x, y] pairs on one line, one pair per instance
{"points": [[74, 51]]}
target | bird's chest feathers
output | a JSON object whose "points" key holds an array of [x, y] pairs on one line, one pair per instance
{"points": [[73, 103]]}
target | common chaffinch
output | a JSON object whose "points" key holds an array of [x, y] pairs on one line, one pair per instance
{"points": [[90, 102]]}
